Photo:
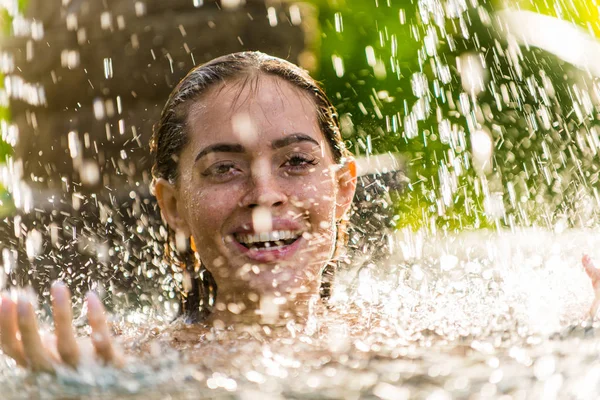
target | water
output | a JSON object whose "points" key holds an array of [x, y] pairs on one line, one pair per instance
{"points": [[494, 133], [478, 314]]}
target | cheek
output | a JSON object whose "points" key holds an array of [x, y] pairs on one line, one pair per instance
{"points": [[209, 209], [318, 198]]}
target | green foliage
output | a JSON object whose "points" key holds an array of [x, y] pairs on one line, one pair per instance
{"points": [[393, 70], [6, 205], [381, 48]]}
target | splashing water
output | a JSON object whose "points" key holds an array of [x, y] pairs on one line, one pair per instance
{"points": [[494, 133]]}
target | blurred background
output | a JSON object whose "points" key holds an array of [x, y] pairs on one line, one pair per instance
{"points": [[492, 107]]}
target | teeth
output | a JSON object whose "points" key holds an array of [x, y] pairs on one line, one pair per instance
{"points": [[267, 236]]}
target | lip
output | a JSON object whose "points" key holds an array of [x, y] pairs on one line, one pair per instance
{"points": [[268, 254], [279, 224]]}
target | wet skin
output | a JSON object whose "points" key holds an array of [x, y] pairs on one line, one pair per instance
{"points": [[21, 340], [255, 157], [594, 274], [257, 149]]}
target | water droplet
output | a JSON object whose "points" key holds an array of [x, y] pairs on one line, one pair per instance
{"points": [[244, 128], [99, 111], [386, 391], [262, 219], [483, 149], [338, 65], [418, 82], [448, 262], [544, 367], [89, 173], [272, 16], [472, 72], [106, 20], [108, 68], [230, 4], [269, 310], [295, 15], [33, 244]]}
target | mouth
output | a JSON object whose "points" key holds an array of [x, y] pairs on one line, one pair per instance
{"points": [[267, 241]]}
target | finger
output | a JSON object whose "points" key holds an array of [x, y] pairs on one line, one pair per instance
{"points": [[11, 345], [591, 270], [63, 321], [101, 337], [594, 308], [35, 352]]}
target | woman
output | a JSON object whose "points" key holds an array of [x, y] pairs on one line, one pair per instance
{"points": [[254, 182]]}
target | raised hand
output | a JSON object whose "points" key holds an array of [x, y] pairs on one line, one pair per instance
{"points": [[594, 274], [21, 340]]}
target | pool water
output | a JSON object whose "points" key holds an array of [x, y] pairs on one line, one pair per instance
{"points": [[476, 315]]}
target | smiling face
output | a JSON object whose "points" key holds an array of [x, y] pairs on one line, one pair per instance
{"points": [[258, 187]]}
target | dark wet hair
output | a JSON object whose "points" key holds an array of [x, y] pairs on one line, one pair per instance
{"points": [[170, 137]]}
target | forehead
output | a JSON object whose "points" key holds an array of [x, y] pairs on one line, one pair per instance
{"points": [[260, 107]]}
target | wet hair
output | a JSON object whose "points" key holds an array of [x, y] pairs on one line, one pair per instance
{"points": [[170, 136]]}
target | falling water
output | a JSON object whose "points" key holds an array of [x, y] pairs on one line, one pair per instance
{"points": [[476, 128]]}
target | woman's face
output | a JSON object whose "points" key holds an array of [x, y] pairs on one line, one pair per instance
{"points": [[258, 188]]}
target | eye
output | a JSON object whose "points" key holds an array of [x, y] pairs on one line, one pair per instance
{"points": [[222, 171], [300, 162]]}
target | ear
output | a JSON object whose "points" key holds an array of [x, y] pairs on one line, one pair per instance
{"points": [[346, 178], [168, 200]]}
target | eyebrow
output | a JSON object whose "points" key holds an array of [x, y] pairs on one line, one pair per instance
{"points": [[291, 139], [238, 148], [221, 148]]}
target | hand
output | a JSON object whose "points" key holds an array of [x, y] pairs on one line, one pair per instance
{"points": [[594, 274], [30, 351]]}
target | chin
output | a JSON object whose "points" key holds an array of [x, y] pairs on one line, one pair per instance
{"points": [[279, 279]]}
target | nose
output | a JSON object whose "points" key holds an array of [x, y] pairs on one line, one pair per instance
{"points": [[264, 191]]}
